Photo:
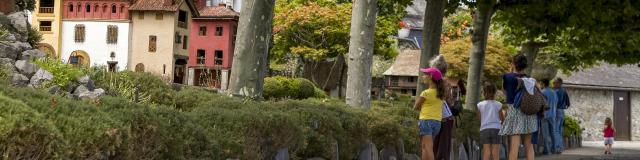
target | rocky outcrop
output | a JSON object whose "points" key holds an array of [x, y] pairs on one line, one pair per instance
{"points": [[19, 22], [38, 79]]}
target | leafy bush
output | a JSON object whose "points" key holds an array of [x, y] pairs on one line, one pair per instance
{"points": [[571, 127], [457, 55], [151, 89], [34, 36], [63, 74], [469, 125], [297, 88]]}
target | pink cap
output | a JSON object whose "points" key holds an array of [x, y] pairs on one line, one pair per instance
{"points": [[434, 72]]}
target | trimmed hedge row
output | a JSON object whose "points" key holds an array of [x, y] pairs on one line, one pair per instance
{"points": [[201, 125]]}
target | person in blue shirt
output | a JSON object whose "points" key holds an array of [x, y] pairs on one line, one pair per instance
{"points": [[548, 121], [563, 103]]}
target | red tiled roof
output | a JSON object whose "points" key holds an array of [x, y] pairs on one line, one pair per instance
{"points": [[156, 5], [218, 12]]}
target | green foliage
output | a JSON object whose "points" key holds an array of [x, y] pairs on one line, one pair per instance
{"points": [[469, 125], [63, 74], [34, 36], [297, 88], [151, 88], [571, 127], [456, 25], [25, 5], [497, 58], [3, 31]]}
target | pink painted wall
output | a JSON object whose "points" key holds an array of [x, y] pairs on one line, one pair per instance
{"points": [[99, 9], [210, 43]]}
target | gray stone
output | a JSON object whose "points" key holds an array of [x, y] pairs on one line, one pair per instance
{"points": [[83, 79], [81, 89], [21, 46], [90, 85], [26, 68], [7, 64], [91, 95], [8, 51], [10, 37], [19, 22], [283, 154], [19, 80], [388, 153], [370, 152], [34, 53], [55, 89], [40, 77], [411, 157], [315, 158]]}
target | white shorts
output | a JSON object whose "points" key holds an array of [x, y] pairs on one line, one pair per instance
{"points": [[608, 140]]}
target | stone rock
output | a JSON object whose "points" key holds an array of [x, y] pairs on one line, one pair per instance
{"points": [[19, 80], [81, 89], [369, 153], [388, 153], [10, 37], [90, 85], [83, 79], [21, 46], [316, 158], [26, 68], [40, 77], [283, 154], [8, 51], [19, 22], [34, 53], [411, 157], [91, 95], [7, 64], [55, 89]]}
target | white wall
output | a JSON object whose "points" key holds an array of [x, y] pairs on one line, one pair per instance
{"points": [[95, 43]]}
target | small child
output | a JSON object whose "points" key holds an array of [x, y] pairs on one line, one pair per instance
{"points": [[609, 131], [490, 115]]}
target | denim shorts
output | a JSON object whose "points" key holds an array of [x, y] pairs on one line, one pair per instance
{"points": [[429, 127]]}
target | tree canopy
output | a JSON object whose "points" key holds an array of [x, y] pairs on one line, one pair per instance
{"points": [[496, 61]]}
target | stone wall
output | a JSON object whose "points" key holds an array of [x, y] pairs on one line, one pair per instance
{"points": [[635, 116], [590, 108]]}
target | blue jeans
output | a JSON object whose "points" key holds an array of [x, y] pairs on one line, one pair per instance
{"points": [[429, 127], [534, 135], [558, 132], [548, 132]]}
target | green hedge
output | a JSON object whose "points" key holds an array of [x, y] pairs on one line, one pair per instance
{"points": [[297, 88], [196, 124]]}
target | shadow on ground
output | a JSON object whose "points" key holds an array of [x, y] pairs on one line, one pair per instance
{"points": [[593, 150]]}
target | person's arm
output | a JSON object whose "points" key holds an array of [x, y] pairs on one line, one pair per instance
{"points": [[567, 98], [418, 104], [501, 113], [478, 113]]}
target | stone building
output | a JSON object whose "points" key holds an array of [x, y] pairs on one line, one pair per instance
{"points": [[606, 91]]}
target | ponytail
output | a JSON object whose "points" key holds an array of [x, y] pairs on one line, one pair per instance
{"points": [[439, 88]]}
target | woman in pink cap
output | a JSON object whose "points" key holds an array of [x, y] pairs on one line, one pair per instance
{"points": [[430, 105]]}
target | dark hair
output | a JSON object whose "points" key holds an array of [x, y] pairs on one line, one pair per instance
{"points": [[607, 122], [545, 82], [519, 61], [559, 80], [439, 88], [461, 86], [489, 90]]}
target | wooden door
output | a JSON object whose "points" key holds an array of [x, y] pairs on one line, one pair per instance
{"points": [[622, 115]]}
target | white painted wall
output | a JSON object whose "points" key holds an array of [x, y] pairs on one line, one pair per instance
{"points": [[95, 43]]}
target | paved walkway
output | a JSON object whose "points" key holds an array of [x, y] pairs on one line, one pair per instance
{"points": [[593, 150]]}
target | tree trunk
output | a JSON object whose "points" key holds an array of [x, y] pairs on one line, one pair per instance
{"points": [[481, 23], [252, 48], [530, 49], [433, 17], [363, 23]]}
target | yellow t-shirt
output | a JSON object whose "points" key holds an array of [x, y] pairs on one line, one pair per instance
{"points": [[432, 105]]}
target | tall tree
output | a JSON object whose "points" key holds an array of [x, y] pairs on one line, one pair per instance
{"points": [[479, 36], [252, 47], [433, 17], [361, 43]]}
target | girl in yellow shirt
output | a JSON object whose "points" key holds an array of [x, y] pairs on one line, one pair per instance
{"points": [[430, 105]]}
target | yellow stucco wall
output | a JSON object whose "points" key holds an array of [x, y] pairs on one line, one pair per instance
{"points": [[164, 30], [53, 37]]}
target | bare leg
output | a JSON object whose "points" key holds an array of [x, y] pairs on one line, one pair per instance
{"points": [[486, 151], [495, 151], [514, 147], [529, 147], [427, 147]]}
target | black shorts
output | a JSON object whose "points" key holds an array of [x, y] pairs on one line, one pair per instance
{"points": [[490, 136]]}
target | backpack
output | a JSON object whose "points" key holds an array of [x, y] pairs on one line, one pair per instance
{"points": [[530, 104]]}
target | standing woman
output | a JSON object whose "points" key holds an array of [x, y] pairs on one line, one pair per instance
{"points": [[452, 92], [430, 105], [517, 125]]}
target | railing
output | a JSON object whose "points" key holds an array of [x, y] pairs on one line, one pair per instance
{"points": [[45, 28], [182, 24], [46, 10]]}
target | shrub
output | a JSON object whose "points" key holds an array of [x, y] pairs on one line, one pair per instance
{"points": [[34, 36], [151, 89], [571, 127], [297, 88], [63, 74], [469, 126]]}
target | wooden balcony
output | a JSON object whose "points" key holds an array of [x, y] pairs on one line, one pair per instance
{"points": [[182, 24], [45, 10], [45, 28]]}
